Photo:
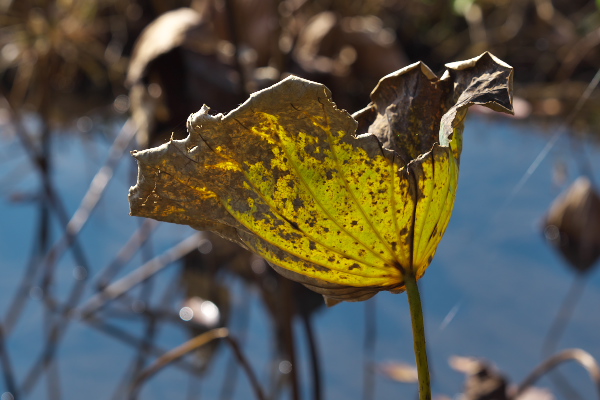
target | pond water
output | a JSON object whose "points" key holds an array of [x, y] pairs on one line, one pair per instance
{"points": [[492, 290]]}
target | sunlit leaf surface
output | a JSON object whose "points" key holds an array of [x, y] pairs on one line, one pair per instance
{"points": [[343, 204]]}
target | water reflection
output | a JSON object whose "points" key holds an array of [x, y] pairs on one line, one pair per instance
{"points": [[474, 304]]}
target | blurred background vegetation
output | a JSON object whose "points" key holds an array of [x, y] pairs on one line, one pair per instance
{"points": [[64, 58], [127, 74]]}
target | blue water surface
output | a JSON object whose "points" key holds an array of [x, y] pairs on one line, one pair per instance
{"points": [[492, 290]]}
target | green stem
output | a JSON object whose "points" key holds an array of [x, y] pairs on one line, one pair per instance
{"points": [[416, 315]]}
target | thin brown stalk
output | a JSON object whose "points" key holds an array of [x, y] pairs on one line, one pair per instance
{"points": [[289, 342], [133, 341], [258, 391], [126, 253], [193, 344], [369, 350], [235, 40], [561, 321], [314, 356], [580, 356], [177, 353], [7, 369], [91, 198], [39, 160], [56, 331], [243, 314], [142, 273], [151, 321]]}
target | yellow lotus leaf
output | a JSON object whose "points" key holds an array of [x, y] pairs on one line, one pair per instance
{"points": [[343, 204]]}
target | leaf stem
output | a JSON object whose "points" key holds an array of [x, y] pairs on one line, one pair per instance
{"points": [[416, 315]]}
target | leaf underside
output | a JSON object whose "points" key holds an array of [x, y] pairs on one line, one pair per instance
{"points": [[343, 205]]}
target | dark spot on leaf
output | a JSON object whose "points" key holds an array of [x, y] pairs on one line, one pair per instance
{"points": [[321, 268], [434, 232], [399, 267], [331, 259], [362, 252], [394, 245], [293, 224], [403, 231], [354, 266], [312, 245], [298, 203], [353, 223], [429, 259]]}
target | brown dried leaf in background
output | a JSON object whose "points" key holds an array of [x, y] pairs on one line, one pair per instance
{"points": [[177, 53], [536, 393], [572, 225], [399, 371], [484, 382], [335, 45], [169, 31]]}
